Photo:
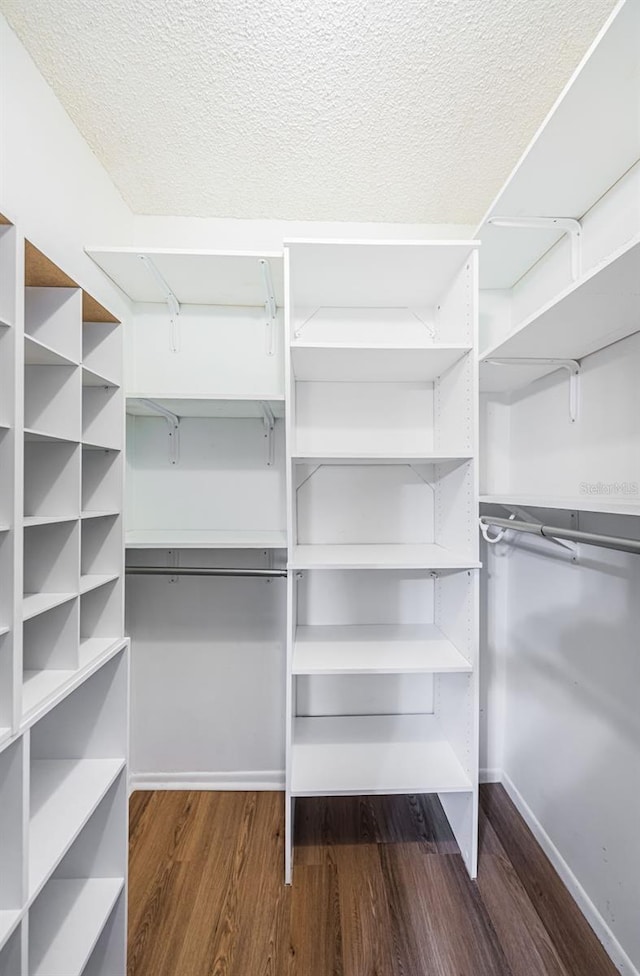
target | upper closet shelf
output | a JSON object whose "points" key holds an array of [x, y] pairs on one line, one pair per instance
{"points": [[577, 503], [229, 405], [193, 277], [592, 313], [377, 363], [378, 556], [205, 539], [591, 122]]}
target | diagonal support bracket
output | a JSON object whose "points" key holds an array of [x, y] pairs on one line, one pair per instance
{"points": [[572, 366], [568, 225], [173, 423], [270, 307], [172, 302], [523, 514], [269, 422]]}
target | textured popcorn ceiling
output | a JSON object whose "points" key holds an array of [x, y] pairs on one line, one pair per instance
{"points": [[382, 110]]}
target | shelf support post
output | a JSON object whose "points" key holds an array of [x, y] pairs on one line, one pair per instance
{"points": [[172, 302], [572, 366], [270, 307], [173, 423], [568, 225], [269, 422]]}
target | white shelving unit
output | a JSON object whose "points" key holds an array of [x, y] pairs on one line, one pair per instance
{"points": [[63, 664], [574, 503], [381, 445]]}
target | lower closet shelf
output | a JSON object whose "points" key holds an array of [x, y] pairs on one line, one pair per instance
{"points": [[66, 925], [64, 794], [356, 755]]}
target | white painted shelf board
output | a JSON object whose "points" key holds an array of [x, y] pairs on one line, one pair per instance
{"points": [[93, 648], [322, 362], [196, 277], [108, 513], [64, 792], [351, 457], [591, 121], [4, 630], [575, 503], [8, 920], [378, 556], [504, 378], [231, 406], [40, 686], [94, 446], [91, 378], [79, 911], [91, 581], [375, 649], [35, 603], [204, 539], [579, 321], [368, 754], [30, 520], [31, 434], [39, 353]]}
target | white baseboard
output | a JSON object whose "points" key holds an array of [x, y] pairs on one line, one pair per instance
{"points": [[490, 776], [599, 925], [262, 779]]}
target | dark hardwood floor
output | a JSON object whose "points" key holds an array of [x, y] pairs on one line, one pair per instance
{"points": [[378, 890]]}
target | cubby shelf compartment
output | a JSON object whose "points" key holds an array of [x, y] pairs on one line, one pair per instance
{"points": [[347, 755], [101, 415], [38, 353], [51, 482], [375, 649], [378, 556], [325, 362], [230, 406], [53, 319], [64, 794], [574, 503], [50, 654], [203, 539], [102, 350], [52, 400], [66, 922]]}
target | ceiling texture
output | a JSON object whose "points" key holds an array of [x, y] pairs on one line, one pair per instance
{"points": [[363, 110]]}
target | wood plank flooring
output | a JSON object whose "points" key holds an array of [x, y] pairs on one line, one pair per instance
{"points": [[379, 890]]}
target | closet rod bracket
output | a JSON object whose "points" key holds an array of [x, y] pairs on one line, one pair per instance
{"points": [[524, 515], [173, 425], [568, 225], [270, 306], [172, 302], [572, 367], [269, 422]]}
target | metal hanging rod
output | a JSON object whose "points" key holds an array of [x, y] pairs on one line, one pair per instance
{"points": [[554, 532], [202, 571]]}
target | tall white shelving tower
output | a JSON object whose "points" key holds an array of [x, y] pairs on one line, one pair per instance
{"points": [[381, 375]]}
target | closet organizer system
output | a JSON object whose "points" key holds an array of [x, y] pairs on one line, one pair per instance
{"points": [[365, 352], [63, 656]]}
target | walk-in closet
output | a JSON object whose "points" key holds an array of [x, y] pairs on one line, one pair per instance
{"points": [[319, 488]]}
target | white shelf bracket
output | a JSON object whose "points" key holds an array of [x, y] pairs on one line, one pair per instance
{"points": [[572, 366], [569, 225], [172, 302], [173, 560], [524, 515], [173, 424], [269, 422], [270, 307]]}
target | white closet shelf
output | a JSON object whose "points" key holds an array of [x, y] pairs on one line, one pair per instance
{"points": [[8, 920], [76, 912], [576, 503], [601, 90], [379, 556], [30, 520], [327, 362], [205, 539], [233, 406], [367, 754], [43, 688], [40, 354], [107, 513], [375, 649], [91, 581], [196, 277], [94, 446], [4, 528], [35, 603], [64, 794], [573, 325], [31, 434], [370, 457], [91, 378]]}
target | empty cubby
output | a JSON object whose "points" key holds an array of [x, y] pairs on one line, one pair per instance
{"points": [[101, 480], [50, 652], [53, 317], [101, 548], [101, 614], [102, 349], [102, 415], [52, 400], [51, 558], [51, 479]]}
